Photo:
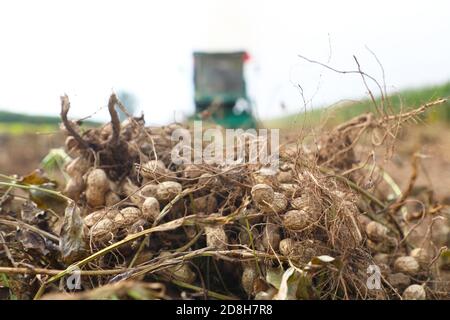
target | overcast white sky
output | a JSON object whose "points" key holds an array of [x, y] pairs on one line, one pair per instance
{"points": [[88, 48]]}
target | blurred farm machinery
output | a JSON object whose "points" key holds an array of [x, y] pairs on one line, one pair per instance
{"points": [[220, 89]]}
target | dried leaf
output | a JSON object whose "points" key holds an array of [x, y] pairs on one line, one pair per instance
{"points": [[72, 239], [32, 241], [35, 178], [45, 200], [122, 289], [31, 214]]}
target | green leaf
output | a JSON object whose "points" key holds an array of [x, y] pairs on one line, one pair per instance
{"points": [[4, 279], [288, 285], [137, 294], [55, 159], [291, 284], [304, 287]]}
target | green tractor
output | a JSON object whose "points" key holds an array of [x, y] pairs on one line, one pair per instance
{"points": [[220, 91]]}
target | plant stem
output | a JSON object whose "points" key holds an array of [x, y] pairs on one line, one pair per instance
{"points": [[11, 270], [353, 185]]}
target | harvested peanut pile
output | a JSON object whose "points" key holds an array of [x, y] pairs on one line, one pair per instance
{"points": [[130, 219]]}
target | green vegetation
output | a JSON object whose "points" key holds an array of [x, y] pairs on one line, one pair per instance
{"points": [[10, 117], [16, 123], [18, 128], [406, 99]]}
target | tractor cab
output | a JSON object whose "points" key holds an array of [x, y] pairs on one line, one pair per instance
{"points": [[220, 91]]}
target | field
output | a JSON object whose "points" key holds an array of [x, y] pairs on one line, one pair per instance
{"points": [[405, 99]]}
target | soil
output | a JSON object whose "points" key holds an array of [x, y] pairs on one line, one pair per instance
{"points": [[22, 154]]}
